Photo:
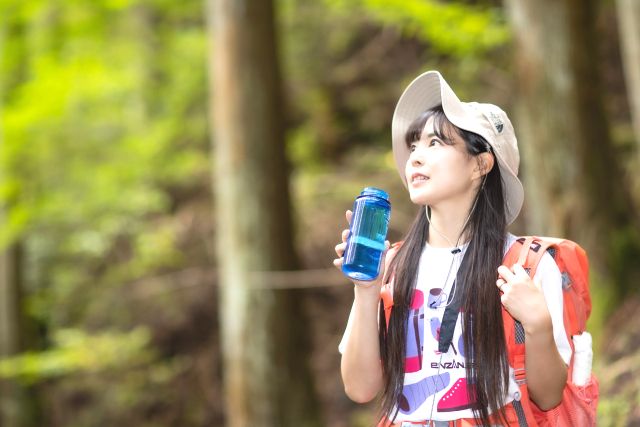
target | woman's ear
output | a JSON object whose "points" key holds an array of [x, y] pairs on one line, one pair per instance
{"points": [[485, 164]]}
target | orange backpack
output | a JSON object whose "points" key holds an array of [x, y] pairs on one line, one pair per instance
{"points": [[579, 402]]}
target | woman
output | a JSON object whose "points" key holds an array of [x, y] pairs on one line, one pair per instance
{"points": [[444, 354]]}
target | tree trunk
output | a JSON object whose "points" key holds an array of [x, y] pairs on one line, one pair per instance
{"points": [[544, 123], [267, 380], [629, 24], [12, 396], [575, 184], [13, 408]]}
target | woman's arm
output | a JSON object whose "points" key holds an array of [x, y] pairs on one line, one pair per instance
{"points": [[360, 366], [546, 370]]}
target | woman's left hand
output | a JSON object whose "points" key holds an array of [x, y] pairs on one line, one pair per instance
{"points": [[523, 298]]}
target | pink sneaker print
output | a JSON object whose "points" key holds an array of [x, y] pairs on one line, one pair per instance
{"points": [[457, 397]]}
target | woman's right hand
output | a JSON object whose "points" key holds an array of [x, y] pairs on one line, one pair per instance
{"points": [[340, 248]]}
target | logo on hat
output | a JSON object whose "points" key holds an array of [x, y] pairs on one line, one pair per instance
{"points": [[497, 122]]}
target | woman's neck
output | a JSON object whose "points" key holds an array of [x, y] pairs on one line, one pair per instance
{"points": [[445, 227]]}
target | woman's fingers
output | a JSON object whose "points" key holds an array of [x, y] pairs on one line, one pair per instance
{"points": [[500, 283], [340, 247], [538, 284], [520, 272], [505, 273], [338, 262]]}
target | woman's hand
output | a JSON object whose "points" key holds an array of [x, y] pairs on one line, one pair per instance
{"points": [[523, 299], [340, 248]]}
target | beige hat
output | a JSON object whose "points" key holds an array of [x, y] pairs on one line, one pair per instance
{"points": [[489, 121]]}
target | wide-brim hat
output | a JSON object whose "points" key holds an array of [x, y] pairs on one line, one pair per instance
{"points": [[430, 90]]}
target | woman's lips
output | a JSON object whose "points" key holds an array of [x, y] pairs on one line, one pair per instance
{"points": [[417, 178]]}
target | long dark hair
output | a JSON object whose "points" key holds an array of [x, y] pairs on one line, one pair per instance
{"points": [[487, 366]]}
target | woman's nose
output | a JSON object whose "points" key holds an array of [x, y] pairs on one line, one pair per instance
{"points": [[416, 158]]}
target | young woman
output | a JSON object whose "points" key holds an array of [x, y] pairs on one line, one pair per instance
{"points": [[442, 360]]}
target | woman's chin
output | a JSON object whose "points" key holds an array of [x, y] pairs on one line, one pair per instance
{"points": [[418, 199]]}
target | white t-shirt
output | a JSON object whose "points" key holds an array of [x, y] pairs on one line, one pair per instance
{"points": [[435, 384]]}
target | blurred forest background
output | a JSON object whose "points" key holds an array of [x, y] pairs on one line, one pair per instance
{"points": [[174, 176]]}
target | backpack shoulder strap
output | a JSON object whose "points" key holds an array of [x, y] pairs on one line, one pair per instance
{"points": [[526, 251]]}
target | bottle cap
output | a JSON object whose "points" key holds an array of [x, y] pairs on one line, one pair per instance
{"points": [[376, 192]]}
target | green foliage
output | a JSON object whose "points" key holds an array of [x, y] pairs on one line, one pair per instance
{"points": [[623, 259], [452, 28], [613, 412], [603, 302], [347, 61], [81, 144], [103, 133], [76, 352], [95, 136]]}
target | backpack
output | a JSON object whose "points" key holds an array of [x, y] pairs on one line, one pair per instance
{"points": [[579, 402]]}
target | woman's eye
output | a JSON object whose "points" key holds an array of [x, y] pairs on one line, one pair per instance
{"points": [[433, 142], [412, 147]]}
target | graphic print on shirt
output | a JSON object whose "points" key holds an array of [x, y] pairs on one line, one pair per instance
{"points": [[437, 297], [461, 346], [457, 397], [415, 334], [414, 395], [440, 390]]}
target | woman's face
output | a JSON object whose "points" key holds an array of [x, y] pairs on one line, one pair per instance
{"points": [[440, 172]]}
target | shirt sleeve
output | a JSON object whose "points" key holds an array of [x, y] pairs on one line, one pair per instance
{"points": [[551, 279]]}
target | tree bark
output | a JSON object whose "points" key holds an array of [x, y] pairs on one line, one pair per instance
{"points": [[13, 407], [629, 24], [544, 123], [20, 405], [575, 183], [266, 378]]}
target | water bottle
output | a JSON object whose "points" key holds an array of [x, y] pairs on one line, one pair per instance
{"points": [[582, 359], [368, 232]]}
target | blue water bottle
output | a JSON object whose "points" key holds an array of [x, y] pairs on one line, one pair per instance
{"points": [[368, 232]]}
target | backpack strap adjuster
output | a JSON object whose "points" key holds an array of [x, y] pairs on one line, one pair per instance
{"points": [[520, 375]]}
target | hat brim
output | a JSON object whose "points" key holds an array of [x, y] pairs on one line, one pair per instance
{"points": [[428, 91]]}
